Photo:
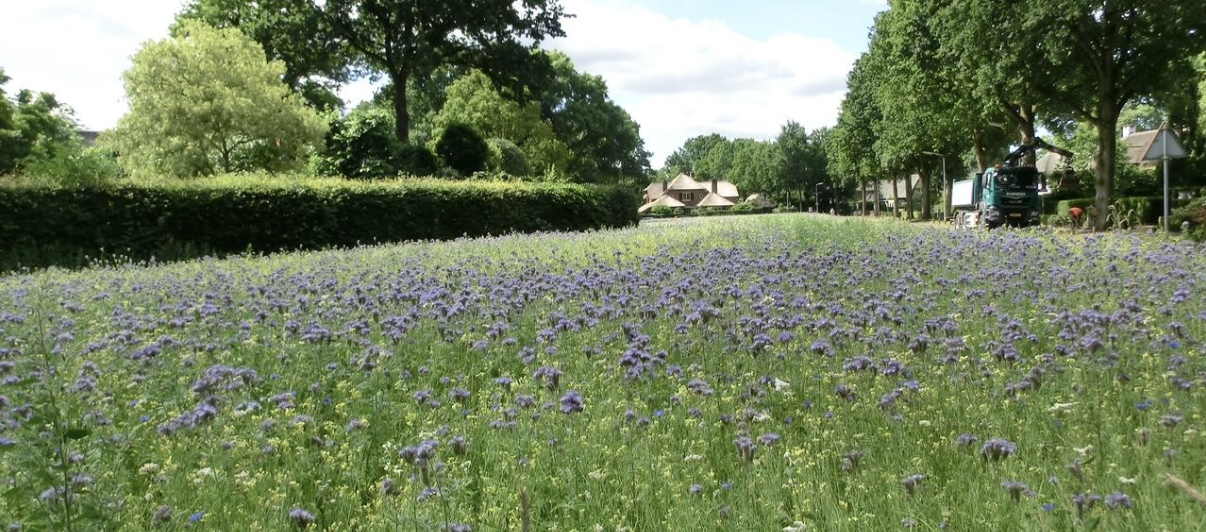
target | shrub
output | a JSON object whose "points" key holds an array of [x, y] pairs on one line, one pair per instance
{"points": [[41, 226], [415, 160], [506, 157], [1195, 214], [1147, 209], [463, 149], [362, 145]]}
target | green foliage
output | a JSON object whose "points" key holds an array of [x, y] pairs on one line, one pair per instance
{"points": [[604, 141], [208, 101], [362, 145], [506, 157], [463, 149], [407, 38], [37, 133], [41, 226], [474, 101], [1147, 210], [314, 65], [1193, 212]]}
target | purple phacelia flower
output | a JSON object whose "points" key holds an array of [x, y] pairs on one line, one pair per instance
{"points": [[997, 449], [571, 402], [301, 518]]}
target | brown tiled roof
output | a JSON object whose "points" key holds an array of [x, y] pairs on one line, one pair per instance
{"points": [[715, 200]]}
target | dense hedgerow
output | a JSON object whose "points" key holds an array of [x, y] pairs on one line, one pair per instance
{"points": [[42, 226]]}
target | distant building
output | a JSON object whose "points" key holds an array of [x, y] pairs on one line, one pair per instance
{"points": [[691, 194], [886, 197], [87, 137]]}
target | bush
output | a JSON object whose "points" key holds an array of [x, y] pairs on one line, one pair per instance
{"points": [[463, 149], [506, 157], [1147, 209], [1195, 214], [42, 226], [363, 145]]}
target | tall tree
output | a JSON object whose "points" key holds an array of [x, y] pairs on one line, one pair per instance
{"points": [[406, 38], [1098, 55], [474, 101], [690, 156], [604, 139], [34, 126], [851, 150], [314, 65], [209, 101]]}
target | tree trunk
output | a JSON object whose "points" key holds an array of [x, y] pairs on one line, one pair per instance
{"points": [[981, 153], [877, 200], [1027, 130], [895, 198], [401, 112], [927, 211], [1107, 147], [862, 186], [908, 180]]}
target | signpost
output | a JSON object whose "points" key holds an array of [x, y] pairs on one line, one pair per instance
{"points": [[1163, 147]]}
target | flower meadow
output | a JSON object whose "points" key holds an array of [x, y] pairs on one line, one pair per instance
{"points": [[785, 372]]}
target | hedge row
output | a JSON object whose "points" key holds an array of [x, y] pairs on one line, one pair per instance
{"points": [[42, 226], [1149, 209]]}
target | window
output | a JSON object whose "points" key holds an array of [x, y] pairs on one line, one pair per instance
{"points": [[686, 196]]}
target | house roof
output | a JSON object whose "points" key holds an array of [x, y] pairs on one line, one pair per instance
{"points": [[684, 182], [1049, 163], [1146, 148], [714, 199], [665, 200], [761, 202], [1137, 144], [724, 188]]}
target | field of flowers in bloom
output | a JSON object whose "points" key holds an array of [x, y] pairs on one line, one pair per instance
{"points": [[761, 373]]}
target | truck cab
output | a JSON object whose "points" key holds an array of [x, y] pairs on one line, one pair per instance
{"points": [[1008, 195]]}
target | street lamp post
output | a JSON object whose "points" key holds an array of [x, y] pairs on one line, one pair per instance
{"points": [[817, 194], [946, 199]]}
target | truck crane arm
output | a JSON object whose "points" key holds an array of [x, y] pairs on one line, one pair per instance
{"points": [[1032, 145]]}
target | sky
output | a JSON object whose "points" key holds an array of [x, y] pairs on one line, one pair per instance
{"points": [[681, 68]]}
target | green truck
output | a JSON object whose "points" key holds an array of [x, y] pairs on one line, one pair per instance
{"points": [[1006, 194]]}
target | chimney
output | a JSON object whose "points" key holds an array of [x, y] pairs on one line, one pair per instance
{"points": [[713, 186], [664, 184]]}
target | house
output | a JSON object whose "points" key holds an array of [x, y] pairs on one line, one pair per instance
{"points": [[886, 195], [692, 194]]}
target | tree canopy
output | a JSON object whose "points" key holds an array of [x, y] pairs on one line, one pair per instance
{"points": [[208, 101], [404, 38]]}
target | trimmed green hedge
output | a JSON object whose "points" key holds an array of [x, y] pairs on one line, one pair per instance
{"points": [[42, 226], [1149, 209]]}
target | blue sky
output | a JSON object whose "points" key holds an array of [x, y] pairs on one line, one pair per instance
{"points": [[680, 67]]}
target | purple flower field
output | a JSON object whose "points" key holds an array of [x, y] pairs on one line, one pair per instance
{"points": [[759, 373]]}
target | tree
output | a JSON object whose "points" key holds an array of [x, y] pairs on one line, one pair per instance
{"points": [[36, 130], [604, 140], [463, 149], [474, 101], [208, 101], [687, 158], [852, 148], [406, 38], [314, 65], [363, 145], [1099, 55]]}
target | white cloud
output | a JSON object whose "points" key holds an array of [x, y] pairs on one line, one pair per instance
{"points": [[78, 50], [680, 78]]}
